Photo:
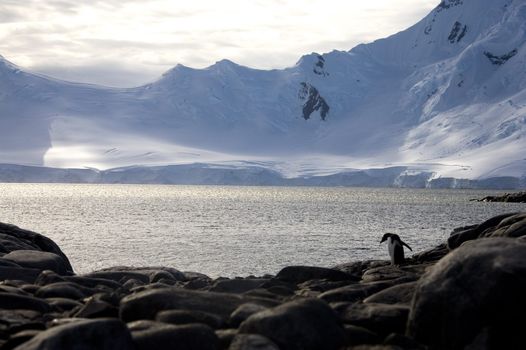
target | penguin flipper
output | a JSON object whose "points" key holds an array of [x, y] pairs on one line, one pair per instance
{"points": [[407, 245]]}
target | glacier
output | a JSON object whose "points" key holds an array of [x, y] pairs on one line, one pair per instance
{"points": [[440, 104]]}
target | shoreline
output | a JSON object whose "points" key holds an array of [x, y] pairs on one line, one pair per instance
{"points": [[451, 289]]}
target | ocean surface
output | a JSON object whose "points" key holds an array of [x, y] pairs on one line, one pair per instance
{"points": [[236, 231]]}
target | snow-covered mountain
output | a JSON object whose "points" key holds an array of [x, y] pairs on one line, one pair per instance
{"points": [[445, 98]]}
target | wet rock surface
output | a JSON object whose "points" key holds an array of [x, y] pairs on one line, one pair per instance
{"points": [[465, 293]]}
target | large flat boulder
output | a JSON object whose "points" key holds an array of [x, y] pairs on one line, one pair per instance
{"points": [[305, 324], [161, 336], [102, 334], [14, 238], [145, 305], [40, 260], [475, 294], [299, 274]]}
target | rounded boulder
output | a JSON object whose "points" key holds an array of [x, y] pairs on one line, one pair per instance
{"points": [[475, 292]]}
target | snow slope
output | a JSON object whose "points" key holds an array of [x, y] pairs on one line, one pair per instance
{"points": [[445, 98]]}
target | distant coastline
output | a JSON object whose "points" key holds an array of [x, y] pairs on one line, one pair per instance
{"points": [[250, 175]]}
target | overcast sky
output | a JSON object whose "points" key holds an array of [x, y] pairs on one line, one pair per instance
{"points": [[131, 42]]}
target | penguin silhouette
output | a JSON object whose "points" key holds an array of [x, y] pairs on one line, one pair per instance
{"points": [[396, 248]]}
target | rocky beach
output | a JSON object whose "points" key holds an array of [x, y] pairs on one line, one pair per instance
{"points": [[467, 293]]}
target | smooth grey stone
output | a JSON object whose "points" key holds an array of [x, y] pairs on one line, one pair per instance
{"points": [[470, 233], [165, 336], [357, 268], [359, 291], [21, 274], [236, 285], [252, 342], [146, 304], [63, 290], [20, 338], [399, 294], [225, 337], [300, 274], [243, 312], [102, 334], [39, 260], [301, 324], [513, 226], [379, 318], [14, 301], [179, 317], [356, 335], [63, 304], [479, 285]]}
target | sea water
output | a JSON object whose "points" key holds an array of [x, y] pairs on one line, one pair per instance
{"points": [[236, 231]]}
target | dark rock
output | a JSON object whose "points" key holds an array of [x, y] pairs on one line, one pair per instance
{"points": [[512, 226], [301, 324], [300, 274], [8, 263], [358, 335], [458, 237], [391, 272], [19, 338], [225, 337], [165, 336], [243, 312], [110, 334], [63, 290], [375, 347], [191, 275], [179, 317], [30, 288], [478, 286], [380, 318], [403, 342], [236, 285], [96, 283], [15, 238], [431, 255], [48, 277], [13, 301], [39, 260], [96, 308], [151, 286], [359, 291], [313, 101], [399, 294], [198, 283], [357, 268], [252, 342], [145, 305], [63, 304], [142, 325], [10, 289], [266, 293], [119, 276], [17, 273], [147, 274], [12, 321], [322, 285], [132, 284]]}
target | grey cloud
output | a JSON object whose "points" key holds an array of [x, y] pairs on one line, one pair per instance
{"points": [[9, 15], [108, 73]]}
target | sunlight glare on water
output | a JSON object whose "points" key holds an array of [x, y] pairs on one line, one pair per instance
{"points": [[235, 231]]}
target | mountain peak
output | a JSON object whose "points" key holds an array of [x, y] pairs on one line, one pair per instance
{"points": [[447, 95]]}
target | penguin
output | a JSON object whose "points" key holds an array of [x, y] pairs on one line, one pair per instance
{"points": [[396, 248]]}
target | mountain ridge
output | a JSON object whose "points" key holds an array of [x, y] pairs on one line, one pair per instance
{"points": [[449, 90]]}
